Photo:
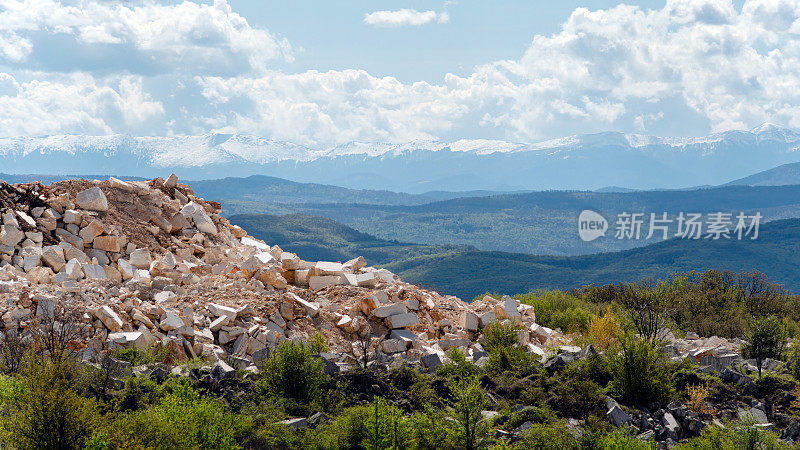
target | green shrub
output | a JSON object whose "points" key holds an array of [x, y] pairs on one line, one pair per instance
{"points": [[138, 392], [765, 339], [45, 413], [550, 436], [457, 365], [514, 361], [500, 335], [557, 309], [743, 436], [793, 362], [180, 420], [292, 372], [618, 439], [534, 414], [316, 343], [432, 431], [469, 400], [386, 427], [641, 374], [346, 431], [133, 355]]}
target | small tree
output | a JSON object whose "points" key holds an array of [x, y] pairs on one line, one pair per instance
{"points": [[766, 339], [364, 342], [469, 399], [604, 331], [646, 307], [12, 351], [640, 372], [48, 413], [292, 372], [53, 332], [386, 427]]}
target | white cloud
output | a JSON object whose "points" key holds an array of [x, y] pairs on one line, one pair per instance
{"points": [[405, 17], [690, 67], [148, 36], [75, 104]]}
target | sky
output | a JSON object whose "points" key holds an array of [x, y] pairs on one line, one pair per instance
{"points": [[323, 73]]}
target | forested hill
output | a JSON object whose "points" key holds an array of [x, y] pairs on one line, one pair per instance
{"points": [[466, 272]]}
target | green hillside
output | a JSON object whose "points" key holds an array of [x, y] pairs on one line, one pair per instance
{"points": [[542, 223], [467, 272], [317, 238]]}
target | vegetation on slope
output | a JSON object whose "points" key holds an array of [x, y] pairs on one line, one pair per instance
{"points": [[467, 272], [50, 400], [543, 223]]}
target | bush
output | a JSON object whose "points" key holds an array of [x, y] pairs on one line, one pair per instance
{"points": [[557, 309], [386, 427], [765, 339], [292, 372], [469, 401], [618, 439], [45, 413], [432, 431], [640, 373], [603, 331], [552, 436], [698, 396], [180, 420], [514, 360], [457, 365], [139, 391], [739, 436], [316, 344], [793, 363], [347, 431], [500, 335], [534, 414]]}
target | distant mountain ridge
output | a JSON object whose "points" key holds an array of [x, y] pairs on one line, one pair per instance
{"points": [[583, 162], [467, 272], [782, 175]]}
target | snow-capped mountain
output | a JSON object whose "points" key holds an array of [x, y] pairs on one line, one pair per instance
{"points": [[573, 162]]}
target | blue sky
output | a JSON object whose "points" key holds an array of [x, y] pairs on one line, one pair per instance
{"points": [[323, 73], [333, 35]]}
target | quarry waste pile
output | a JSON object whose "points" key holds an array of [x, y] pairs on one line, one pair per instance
{"points": [[143, 263], [147, 264]]}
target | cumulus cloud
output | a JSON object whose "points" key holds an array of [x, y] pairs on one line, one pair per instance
{"points": [[137, 36], [334, 107], [404, 17], [75, 104], [690, 67]]}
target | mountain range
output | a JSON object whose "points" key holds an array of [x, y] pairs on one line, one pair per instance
{"points": [[583, 162]]}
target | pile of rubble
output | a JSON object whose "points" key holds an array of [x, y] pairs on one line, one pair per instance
{"points": [[149, 262]]}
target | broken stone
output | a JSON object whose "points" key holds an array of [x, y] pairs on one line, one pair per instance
{"points": [[318, 282], [312, 308], [94, 272], [469, 321], [221, 310], [383, 312], [11, 235], [402, 320], [140, 258], [109, 318], [92, 199]]}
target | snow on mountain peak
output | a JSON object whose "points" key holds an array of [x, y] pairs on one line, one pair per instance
{"points": [[221, 148]]}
